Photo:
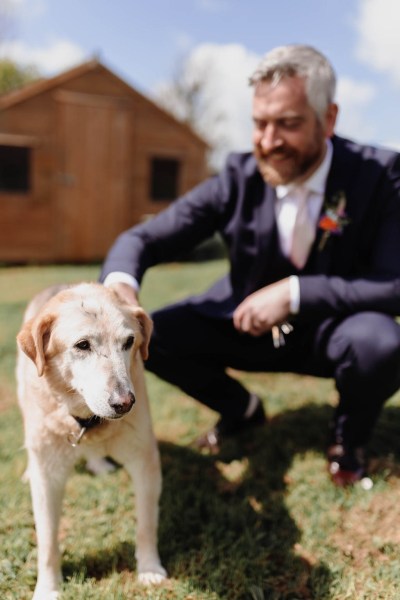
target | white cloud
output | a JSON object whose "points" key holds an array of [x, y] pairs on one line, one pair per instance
{"points": [[377, 24], [225, 116], [354, 99], [230, 67], [355, 93], [58, 55]]}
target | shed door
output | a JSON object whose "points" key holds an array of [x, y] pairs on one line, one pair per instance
{"points": [[94, 143]]}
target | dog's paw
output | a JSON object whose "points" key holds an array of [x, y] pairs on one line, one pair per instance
{"points": [[154, 577]]}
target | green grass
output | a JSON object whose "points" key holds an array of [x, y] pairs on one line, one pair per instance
{"points": [[260, 522]]}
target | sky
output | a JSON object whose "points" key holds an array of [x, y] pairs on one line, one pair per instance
{"points": [[142, 41]]}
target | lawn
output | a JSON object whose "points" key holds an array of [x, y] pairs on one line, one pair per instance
{"points": [[260, 522]]}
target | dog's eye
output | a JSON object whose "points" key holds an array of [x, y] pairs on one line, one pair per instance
{"points": [[129, 343], [83, 345]]}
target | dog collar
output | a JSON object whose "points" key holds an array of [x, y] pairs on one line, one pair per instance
{"points": [[85, 424], [88, 423]]}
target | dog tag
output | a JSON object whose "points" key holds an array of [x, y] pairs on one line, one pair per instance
{"points": [[75, 438]]}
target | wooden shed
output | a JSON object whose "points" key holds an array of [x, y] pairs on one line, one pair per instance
{"points": [[83, 156]]}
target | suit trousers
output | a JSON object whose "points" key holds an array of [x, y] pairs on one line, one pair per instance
{"points": [[360, 351]]}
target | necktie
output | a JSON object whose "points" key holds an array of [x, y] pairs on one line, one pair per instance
{"points": [[303, 232]]}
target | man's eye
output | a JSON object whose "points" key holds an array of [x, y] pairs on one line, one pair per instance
{"points": [[259, 124], [291, 123], [83, 345], [129, 343]]}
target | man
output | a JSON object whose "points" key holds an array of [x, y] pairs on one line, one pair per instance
{"points": [[311, 222]]}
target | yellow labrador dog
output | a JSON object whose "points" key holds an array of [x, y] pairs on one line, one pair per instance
{"points": [[82, 393]]}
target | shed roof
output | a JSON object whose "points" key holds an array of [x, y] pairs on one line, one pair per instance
{"points": [[44, 85]]}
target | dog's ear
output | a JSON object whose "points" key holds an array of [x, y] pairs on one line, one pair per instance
{"points": [[146, 325], [33, 338]]}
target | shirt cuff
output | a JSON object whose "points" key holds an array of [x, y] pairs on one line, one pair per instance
{"points": [[121, 277], [294, 287]]}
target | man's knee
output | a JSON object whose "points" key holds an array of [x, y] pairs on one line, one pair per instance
{"points": [[374, 338], [367, 346]]}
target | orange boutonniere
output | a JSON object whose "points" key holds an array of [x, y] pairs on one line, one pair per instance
{"points": [[333, 218]]}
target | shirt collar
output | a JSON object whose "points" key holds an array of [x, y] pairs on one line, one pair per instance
{"points": [[317, 181]]}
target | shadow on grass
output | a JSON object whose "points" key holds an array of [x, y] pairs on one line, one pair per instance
{"points": [[236, 537], [384, 450], [101, 562], [231, 534]]}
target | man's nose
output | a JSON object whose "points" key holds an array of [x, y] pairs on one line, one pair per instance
{"points": [[270, 138]]}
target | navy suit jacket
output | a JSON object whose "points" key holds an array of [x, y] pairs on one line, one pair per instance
{"points": [[356, 270]]}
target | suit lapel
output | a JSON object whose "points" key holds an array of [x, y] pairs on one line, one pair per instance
{"points": [[265, 225], [265, 240], [339, 176]]}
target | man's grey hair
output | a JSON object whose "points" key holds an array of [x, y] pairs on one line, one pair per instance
{"points": [[301, 61]]}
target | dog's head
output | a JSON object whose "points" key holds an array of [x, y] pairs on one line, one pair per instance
{"points": [[86, 342]]}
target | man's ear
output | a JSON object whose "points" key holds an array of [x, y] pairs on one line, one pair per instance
{"points": [[33, 337], [330, 119], [146, 326]]}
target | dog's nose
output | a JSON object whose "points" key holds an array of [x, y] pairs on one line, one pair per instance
{"points": [[122, 403]]}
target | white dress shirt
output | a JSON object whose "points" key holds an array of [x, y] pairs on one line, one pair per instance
{"points": [[287, 201], [286, 208]]}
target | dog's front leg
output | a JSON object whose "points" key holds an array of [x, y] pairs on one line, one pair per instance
{"points": [[146, 474], [47, 482]]}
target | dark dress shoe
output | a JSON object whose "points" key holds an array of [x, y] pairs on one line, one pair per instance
{"points": [[346, 464], [212, 440]]}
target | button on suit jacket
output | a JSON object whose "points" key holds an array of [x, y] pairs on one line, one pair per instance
{"points": [[357, 269]]}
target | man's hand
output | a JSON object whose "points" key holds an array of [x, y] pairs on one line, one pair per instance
{"points": [[126, 293], [264, 309]]}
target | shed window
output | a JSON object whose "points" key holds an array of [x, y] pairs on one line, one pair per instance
{"points": [[14, 168], [164, 182]]}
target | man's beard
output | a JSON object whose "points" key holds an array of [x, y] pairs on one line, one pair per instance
{"points": [[295, 165]]}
